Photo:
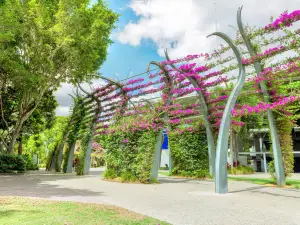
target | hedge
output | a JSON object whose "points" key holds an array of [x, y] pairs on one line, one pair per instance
{"points": [[129, 155], [189, 154], [10, 163]]}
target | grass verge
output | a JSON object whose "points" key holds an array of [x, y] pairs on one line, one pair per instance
{"points": [[267, 181], [19, 210], [164, 173]]}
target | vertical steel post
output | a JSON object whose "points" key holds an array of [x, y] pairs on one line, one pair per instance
{"points": [[156, 157], [278, 162], [265, 163], [155, 166], [221, 182], [70, 159], [208, 127]]}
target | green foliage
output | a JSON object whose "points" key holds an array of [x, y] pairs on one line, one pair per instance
{"points": [[129, 156], [29, 164], [66, 157], [110, 173], [127, 177], [74, 129], [284, 127], [44, 43], [45, 143], [241, 170], [84, 142], [189, 154], [10, 163]]}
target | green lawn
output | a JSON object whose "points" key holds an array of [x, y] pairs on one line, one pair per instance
{"points": [[264, 181], [164, 173], [24, 211]]}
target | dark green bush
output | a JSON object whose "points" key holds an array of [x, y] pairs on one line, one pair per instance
{"points": [[10, 163], [29, 164], [189, 154]]}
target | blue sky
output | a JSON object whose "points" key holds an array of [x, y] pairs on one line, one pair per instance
{"points": [[147, 27], [124, 59]]}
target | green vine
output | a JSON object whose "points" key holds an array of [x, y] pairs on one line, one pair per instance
{"points": [[284, 127], [189, 154], [129, 155]]}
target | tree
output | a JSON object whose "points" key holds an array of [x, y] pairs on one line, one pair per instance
{"points": [[44, 43], [42, 118], [45, 142]]}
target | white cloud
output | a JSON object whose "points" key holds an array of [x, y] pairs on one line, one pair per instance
{"points": [[165, 23], [182, 25], [62, 111], [65, 100]]}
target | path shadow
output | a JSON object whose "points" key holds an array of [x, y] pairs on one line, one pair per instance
{"points": [[43, 185], [174, 180], [250, 189], [276, 194]]}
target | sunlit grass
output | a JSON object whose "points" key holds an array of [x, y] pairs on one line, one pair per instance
{"points": [[264, 181], [18, 210]]}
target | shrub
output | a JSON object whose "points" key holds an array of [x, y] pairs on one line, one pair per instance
{"points": [[129, 155], [11, 163], [110, 174], [29, 164], [241, 170], [127, 177], [189, 154]]}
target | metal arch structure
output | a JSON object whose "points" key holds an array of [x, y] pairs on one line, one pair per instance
{"points": [[221, 182], [88, 152], [126, 98], [207, 124], [278, 162], [160, 136], [98, 110], [148, 102], [93, 122], [72, 145], [56, 158]]}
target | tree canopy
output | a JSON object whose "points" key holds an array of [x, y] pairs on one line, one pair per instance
{"points": [[44, 43]]}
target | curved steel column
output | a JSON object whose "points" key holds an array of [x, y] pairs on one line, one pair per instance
{"points": [[221, 182], [87, 157], [159, 139], [207, 124], [278, 162]]}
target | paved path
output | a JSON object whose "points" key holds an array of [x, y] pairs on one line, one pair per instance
{"points": [[177, 201]]}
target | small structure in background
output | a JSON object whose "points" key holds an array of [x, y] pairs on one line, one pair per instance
{"points": [[165, 152], [259, 154]]}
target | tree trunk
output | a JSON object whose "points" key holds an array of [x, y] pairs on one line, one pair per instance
{"points": [[14, 136], [24, 114], [20, 148]]}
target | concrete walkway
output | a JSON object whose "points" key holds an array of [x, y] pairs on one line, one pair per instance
{"points": [[177, 201]]}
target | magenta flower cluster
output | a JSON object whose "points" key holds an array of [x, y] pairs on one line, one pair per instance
{"points": [[260, 56], [139, 80], [263, 107], [286, 19]]}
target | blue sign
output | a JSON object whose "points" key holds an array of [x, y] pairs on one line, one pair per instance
{"points": [[165, 142]]}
